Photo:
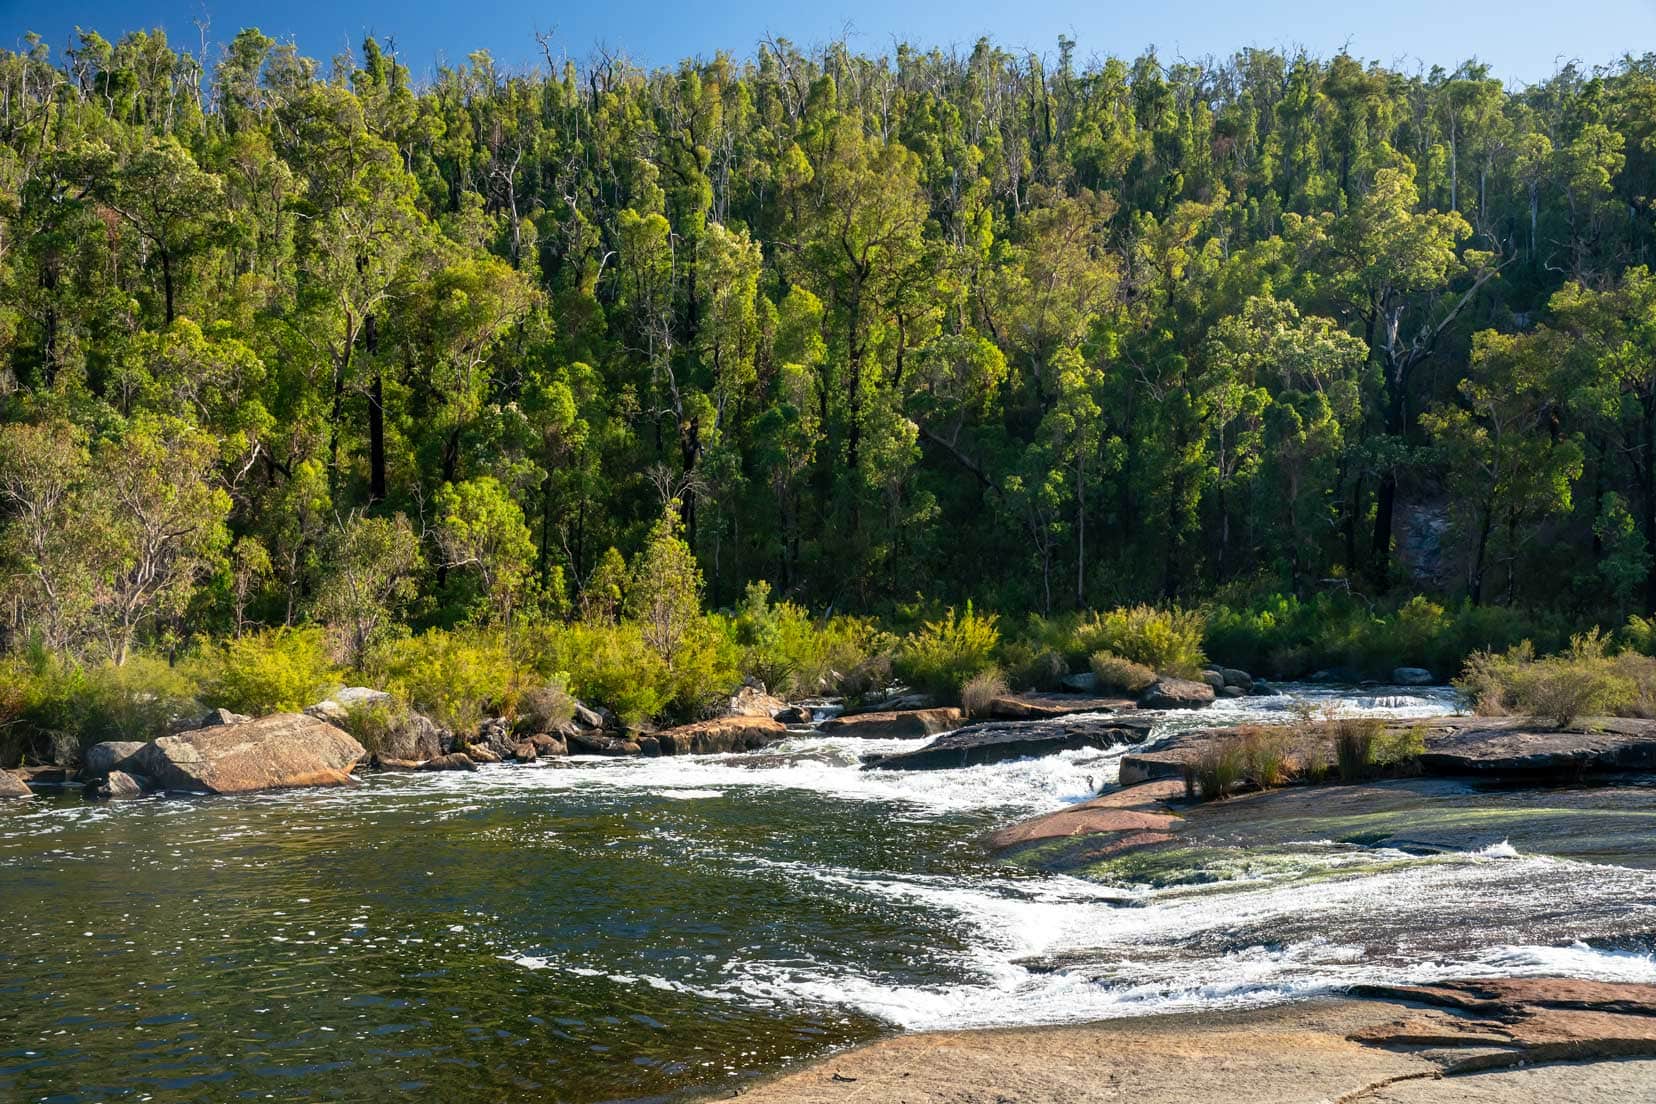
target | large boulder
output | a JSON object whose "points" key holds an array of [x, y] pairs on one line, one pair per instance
{"points": [[275, 752], [994, 742], [1034, 706], [721, 735], [1084, 683], [13, 786], [589, 718], [453, 761], [101, 758], [413, 736], [899, 724], [753, 701], [1176, 693], [1411, 676]]}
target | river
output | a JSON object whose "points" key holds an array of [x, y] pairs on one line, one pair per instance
{"points": [[637, 929]]}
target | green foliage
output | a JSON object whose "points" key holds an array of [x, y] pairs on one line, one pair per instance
{"points": [[456, 678], [1121, 675], [1354, 746], [545, 708], [1168, 641], [1583, 681], [53, 708], [278, 670], [609, 666], [943, 655]]}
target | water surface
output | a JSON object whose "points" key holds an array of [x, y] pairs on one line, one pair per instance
{"points": [[635, 929]]}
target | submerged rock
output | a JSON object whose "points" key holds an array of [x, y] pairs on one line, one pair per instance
{"points": [[897, 724], [1044, 706], [722, 734], [584, 742], [453, 761], [275, 752], [995, 741], [118, 785], [1176, 693], [101, 758], [13, 786]]}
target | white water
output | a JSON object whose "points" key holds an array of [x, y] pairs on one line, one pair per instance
{"points": [[1053, 948]]}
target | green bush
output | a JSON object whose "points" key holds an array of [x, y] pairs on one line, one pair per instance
{"points": [[1121, 675], [1168, 641], [274, 671], [1354, 746], [944, 654], [609, 666], [546, 707], [1217, 770], [456, 678], [52, 707], [1583, 681], [705, 670], [1030, 665], [1264, 755]]}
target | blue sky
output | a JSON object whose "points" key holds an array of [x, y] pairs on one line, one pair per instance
{"points": [[1522, 39]]}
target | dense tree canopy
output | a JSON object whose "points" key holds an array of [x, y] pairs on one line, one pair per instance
{"points": [[282, 341]]}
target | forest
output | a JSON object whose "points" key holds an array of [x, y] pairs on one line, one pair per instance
{"points": [[605, 370]]}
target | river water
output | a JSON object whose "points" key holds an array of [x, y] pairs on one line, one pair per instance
{"points": [[637, 929]]}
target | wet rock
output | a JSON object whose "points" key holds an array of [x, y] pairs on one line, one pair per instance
{"points": [[1131, 813], [648, 746], [117, 785], [794, 715], [482, 753], [1214, 678], [1175, 693], [1525, 749], [548, 745], [525, 753], [894, 724], [588, 718], [586, 742], [13, 786], [1084, 683], [275, 752], [1236, 677], [994, 742], [721, 735], [1233, 692], [894, 704], [101, 758], [389, 764], [1411, 676], [495, 733], [453, 761], [753, 701], [1043, 706]]}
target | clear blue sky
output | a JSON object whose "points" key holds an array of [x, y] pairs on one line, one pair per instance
{"points": [[1522, 39]]}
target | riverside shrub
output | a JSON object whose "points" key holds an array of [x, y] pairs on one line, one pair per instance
{"points": [[1165, 640], [454, 677], [1121, 675], [273, 671], [981, 690], [1583, 681], [943, 655]]}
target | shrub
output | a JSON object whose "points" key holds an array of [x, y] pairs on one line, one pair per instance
{"points": [[1122, 675], [1354, 745], [944, 654], [705, 669], [1264, 755], [1399, 749], [52, 707], [371, 723], [455, 678], [1030, 666], [981, 690], [546, 707], [1580, 682], [1168, 641], [277, 670], [608, 665], [1218, 769]]}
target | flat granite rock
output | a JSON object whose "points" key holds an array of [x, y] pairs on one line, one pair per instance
{"points": [[1131, 812], [995, 741], [275, 752], [13, 786], [898, 724], [1516, 747], [1045, 706]]}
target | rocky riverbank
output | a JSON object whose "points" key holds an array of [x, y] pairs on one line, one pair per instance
{"points": [[1478, 1042]]}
